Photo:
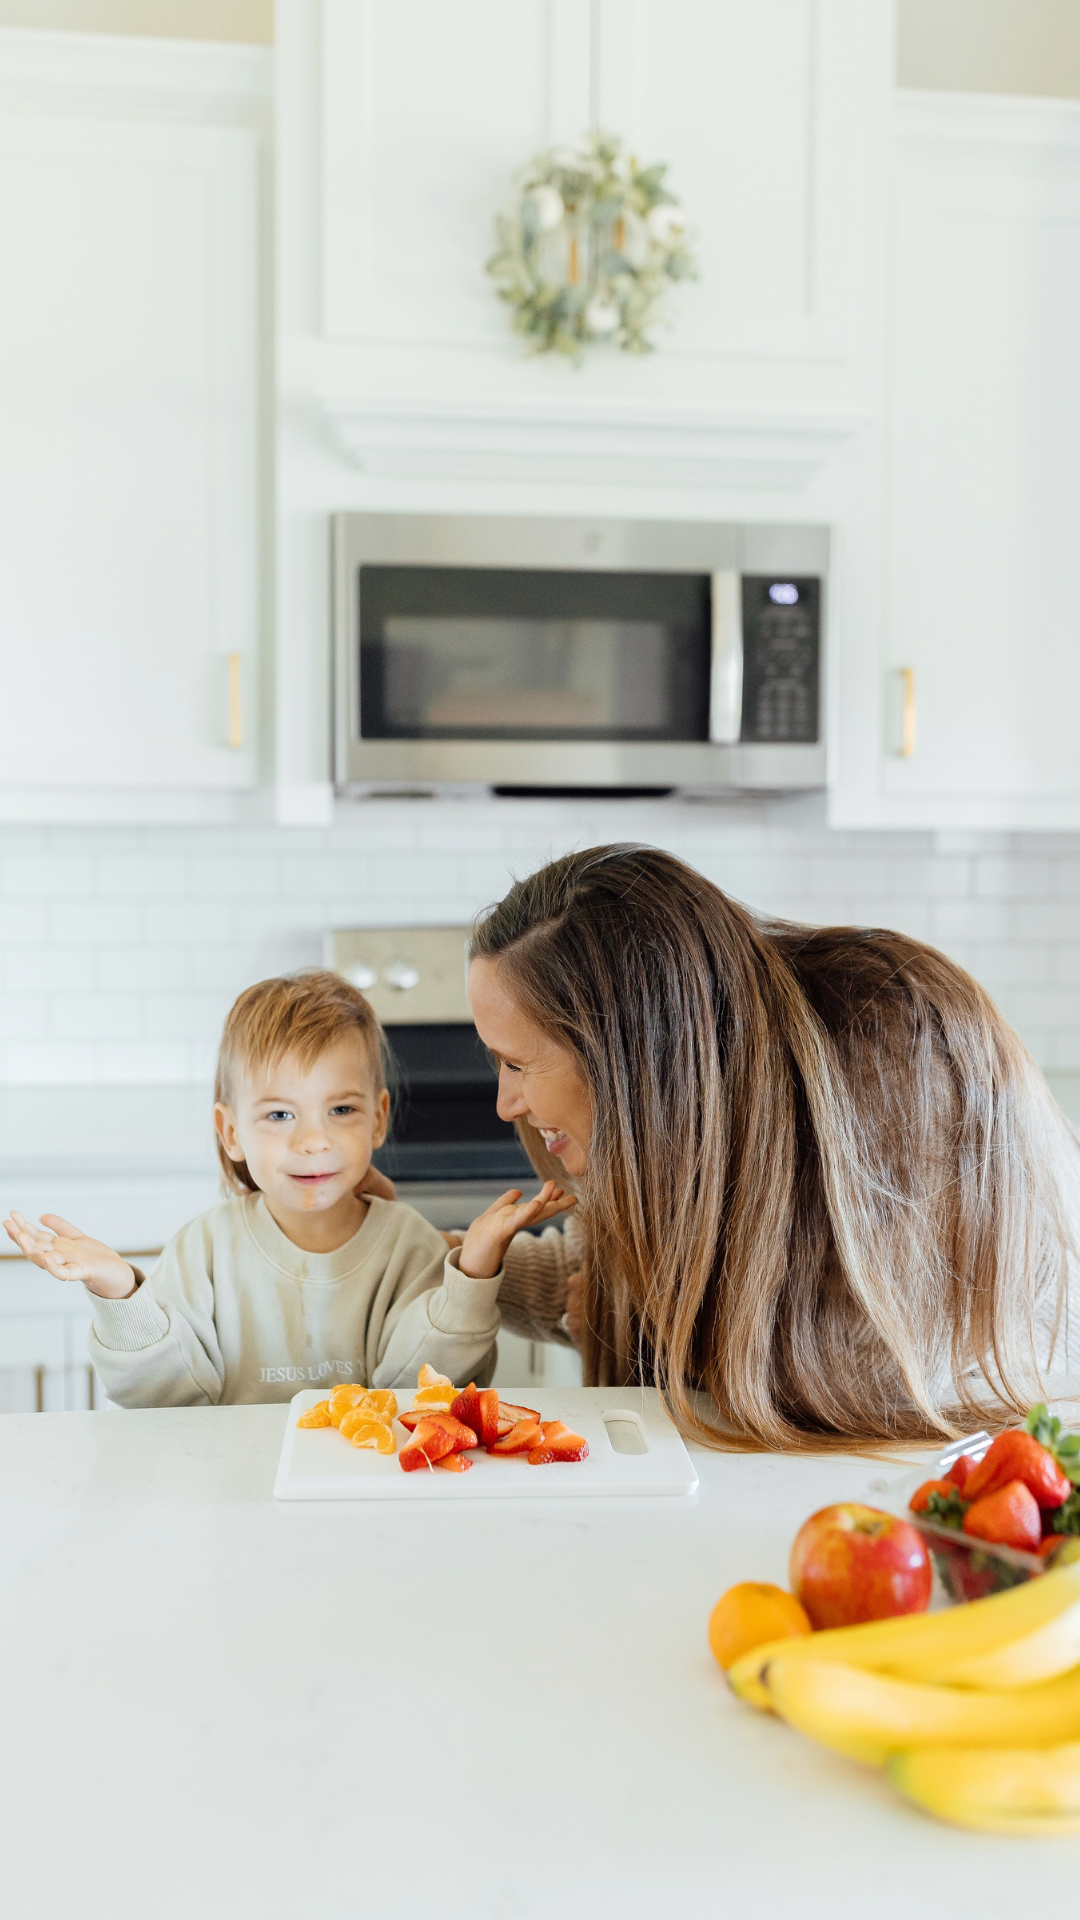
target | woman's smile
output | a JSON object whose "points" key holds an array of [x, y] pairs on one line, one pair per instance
{"points": [[553, 1137], [540, 1081]]}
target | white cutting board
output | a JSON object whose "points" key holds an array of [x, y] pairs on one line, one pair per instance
{"points": [[317, 1464]]}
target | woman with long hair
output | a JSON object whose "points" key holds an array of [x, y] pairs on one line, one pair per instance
{"points": [[824, 1195]]}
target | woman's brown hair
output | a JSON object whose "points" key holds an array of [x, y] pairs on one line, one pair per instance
{"points": [[821, 1204]]}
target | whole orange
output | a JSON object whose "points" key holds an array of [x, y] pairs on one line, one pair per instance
{"points": [[751, 1613]]}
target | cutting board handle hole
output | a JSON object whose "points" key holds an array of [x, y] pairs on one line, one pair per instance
{"points": [[625, 1432]]}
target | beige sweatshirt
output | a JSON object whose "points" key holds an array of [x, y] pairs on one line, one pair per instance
{"points": [[235, 1313]]}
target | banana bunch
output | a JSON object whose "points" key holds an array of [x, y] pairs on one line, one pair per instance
{"points": [[974, 1713]]}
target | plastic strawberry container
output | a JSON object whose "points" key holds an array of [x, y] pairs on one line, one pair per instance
{"points": [[965, 1568]]}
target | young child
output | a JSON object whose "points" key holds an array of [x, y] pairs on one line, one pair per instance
{"points": [[297, 1279]]}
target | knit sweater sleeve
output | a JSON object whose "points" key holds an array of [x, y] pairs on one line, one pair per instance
{"points": [[532, 1298], [159, 1348]]}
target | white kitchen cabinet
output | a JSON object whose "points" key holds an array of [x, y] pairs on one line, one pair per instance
{"points": [[983, 493], [131, 382]]}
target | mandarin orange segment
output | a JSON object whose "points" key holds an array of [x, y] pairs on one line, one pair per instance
{"points": [[316, 1416], [342, 1399], [434, 1389], [382, 1401], [369, 1433], [359, 1417], [427, 1377]]}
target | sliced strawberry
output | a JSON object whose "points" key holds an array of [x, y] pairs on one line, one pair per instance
{"points": [[489, 1416], [519, 1438], [466, 1407], [511, 1416], [429, 1444], [558, 1443], [454, 1463], [462, 1436]]}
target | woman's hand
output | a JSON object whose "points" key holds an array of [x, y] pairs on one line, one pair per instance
{"points": [[376, 1183], [60, 1249], [484, 1246]]}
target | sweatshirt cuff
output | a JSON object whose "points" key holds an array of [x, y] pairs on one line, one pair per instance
{"points": [[464, 1305], [126, 1326]]}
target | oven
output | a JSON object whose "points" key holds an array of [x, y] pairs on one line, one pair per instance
{"points": [[533, 655]]}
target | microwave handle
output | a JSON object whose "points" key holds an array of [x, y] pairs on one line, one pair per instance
{"points": [[726, 669]]}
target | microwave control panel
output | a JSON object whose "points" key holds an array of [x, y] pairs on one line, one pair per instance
{"points": [[781, 622]]}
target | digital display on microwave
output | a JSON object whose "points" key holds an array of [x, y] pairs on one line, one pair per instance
{"points": [[462, 653]]}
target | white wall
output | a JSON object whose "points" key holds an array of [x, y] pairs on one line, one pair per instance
{"points": [[121, 948]]}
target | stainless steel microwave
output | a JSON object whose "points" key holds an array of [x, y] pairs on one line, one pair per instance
{"points": [[578, 654]]}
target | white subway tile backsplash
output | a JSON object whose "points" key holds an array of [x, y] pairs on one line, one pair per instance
{"points": [[148, 1064], [1047, 919], [1062, 1050], [143, 876], [194, 923], [100, 1016], [970, 920], [43, 876], [140, 969], [22, 923], [52, 1063], [1006, 964], [22, 1016], [921, 876], [184, 1016], [234, 877], [1064, 965], [94, 923], [1012, 878], [121, 949], [55, 969]]}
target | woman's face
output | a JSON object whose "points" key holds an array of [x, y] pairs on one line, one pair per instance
{"points": [[539, 1080]]}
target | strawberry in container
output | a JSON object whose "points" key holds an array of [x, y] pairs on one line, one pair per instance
{"points": [[1007, 1508]]}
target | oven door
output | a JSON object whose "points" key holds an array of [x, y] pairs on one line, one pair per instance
{"points": [[537, 654]]}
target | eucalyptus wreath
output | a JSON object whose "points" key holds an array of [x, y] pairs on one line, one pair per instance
{"points": [[589, 250]]}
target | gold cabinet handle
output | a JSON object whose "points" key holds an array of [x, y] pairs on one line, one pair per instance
{"points": [[909, 719], [236, 711]]}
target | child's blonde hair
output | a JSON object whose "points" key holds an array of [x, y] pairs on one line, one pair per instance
{"points": [[295, 1013]]}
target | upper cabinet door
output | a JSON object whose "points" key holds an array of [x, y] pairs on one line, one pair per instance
{"points": [[129, 477], [757, 110], [984, 497]]}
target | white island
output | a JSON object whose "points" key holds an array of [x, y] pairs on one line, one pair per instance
{"points": [[216, 1707]]}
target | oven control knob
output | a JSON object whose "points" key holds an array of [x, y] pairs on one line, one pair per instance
{"points": [[402, 975], [363, 976]]}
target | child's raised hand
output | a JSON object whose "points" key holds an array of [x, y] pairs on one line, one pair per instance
{"points": [[60, 1249], [484, 1246]]}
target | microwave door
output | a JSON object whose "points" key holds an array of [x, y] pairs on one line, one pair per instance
{"points": [[726, 659]]}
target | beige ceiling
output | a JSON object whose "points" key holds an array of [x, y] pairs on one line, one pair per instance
{"points": [[167, 19], [983, 46], [989, 46]]}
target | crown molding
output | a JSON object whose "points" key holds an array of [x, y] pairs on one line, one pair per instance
{"points": [[492, 440], [129, 77]]}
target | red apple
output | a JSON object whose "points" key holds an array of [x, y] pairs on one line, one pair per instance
{"points": [[852, 1563]]}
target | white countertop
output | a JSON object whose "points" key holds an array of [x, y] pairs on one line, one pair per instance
{"points": [[218, 1706]]}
